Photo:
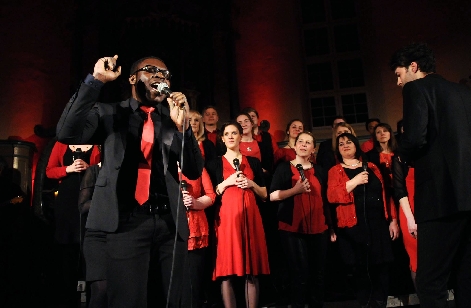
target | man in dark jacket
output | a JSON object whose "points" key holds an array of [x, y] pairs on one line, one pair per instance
{"points": [[136, 192], [437, 126]]}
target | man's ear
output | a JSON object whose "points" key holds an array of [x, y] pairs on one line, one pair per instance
{"points": [[414, 67], [132, 79]]}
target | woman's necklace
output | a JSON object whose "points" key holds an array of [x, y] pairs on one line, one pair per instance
{"points": [[352, 165]]}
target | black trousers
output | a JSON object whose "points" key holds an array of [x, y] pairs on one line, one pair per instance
{"points": [[194, 282], [142, 238], [442, 244], [306, 261]]}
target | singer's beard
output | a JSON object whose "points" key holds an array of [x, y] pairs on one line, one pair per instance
{"points": [[147, 95]]}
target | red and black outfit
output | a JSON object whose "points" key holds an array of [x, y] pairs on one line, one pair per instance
{"points": [[403, 183], [198, 240], [240, 239], [363, 230], [67, 217], [303, 223]]}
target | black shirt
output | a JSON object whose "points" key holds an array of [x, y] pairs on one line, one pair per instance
{"points": [[133, 155]]}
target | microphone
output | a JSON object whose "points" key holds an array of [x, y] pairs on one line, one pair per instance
{"points": [[236, 164], [365, 164], [184, 187], [77, 154], [164, 89], [301, 171]]}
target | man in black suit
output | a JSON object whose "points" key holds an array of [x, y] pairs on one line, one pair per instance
{"points": [[137, 231], [437, 137]]}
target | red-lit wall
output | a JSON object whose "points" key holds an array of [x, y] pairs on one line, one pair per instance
{"points": [[269, 61]]}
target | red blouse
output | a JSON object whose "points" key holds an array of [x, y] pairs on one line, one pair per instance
{"points": [[337, 193], [197, 222], [55, 167], [213, 136], [250, 148], [308, 213]]}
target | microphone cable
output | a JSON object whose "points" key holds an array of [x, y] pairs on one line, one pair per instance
{"points": [[177, 220], [365, 168]]}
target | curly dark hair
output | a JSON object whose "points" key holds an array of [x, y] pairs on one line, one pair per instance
{"points": [[415, 52]]}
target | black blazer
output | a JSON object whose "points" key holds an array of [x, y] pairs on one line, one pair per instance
{"points": [[84, 121], [437, 137]]}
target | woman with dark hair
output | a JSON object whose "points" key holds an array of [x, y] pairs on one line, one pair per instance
{"points": [[240, 239], [249, 145], [381, 155], [299, 186], [327, 158], [384, 146], [363, 220], [287, 153]]}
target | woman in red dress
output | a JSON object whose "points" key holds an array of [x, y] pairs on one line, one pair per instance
{"points": [[240, 239], [304, 220]]}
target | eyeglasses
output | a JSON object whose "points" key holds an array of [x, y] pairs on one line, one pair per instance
{"points": [[164, 74]]}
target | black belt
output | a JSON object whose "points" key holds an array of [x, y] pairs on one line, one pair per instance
{"points": [[154, 208]]}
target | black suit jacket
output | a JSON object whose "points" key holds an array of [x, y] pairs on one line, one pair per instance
{"points": [[84, 121], [437, 136]]}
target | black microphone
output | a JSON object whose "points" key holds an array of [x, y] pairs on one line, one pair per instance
{"points": [[184, 185], [236, 164], [77, 154], [301, 171], [365, 164]]}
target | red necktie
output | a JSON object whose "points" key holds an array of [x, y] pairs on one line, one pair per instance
{"points": [[143, 171]]}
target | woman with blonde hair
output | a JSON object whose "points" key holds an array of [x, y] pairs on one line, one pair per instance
{"points": [[207, 147]]}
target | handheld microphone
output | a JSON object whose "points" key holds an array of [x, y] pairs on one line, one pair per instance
{"points": [[365, 164], [301, 171], [236, 164], [184, 187], [77, 154], [164, 89]]}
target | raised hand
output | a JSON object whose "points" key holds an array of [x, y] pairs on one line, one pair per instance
{"points": [[106, 70]]}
